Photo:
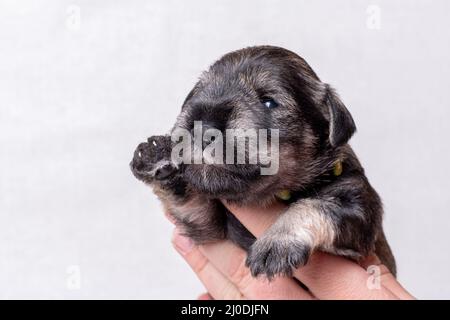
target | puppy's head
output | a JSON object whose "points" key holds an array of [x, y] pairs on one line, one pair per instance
{"points": [[266, 88]]}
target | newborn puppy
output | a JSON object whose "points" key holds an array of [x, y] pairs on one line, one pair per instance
{"points": [[331, 205]]}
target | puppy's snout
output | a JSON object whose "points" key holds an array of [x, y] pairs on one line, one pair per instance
{"points": [[206, 137], [164, 172], [207, 133]]}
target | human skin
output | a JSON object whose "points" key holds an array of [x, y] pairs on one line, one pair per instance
{"points": [[221, 268]]}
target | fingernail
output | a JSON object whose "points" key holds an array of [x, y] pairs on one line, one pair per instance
{"points": [[183, 244]]}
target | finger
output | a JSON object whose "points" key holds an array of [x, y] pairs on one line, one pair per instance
{"points": [[333, 277], [229, 259], [391, 284], [256, 219], [387, 279], [205, 296], [347, 278], [216, 283]]}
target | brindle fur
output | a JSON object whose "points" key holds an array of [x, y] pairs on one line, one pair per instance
{"points": [[336, 214]]}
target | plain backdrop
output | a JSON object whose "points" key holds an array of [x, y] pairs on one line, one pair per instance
{"points": [[83, 82]]}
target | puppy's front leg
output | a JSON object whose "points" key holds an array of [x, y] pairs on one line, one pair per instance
{"points": [[305, 226]]}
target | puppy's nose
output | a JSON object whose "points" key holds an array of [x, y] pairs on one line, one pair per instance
{"points": [[205, 138], [205, 128]]}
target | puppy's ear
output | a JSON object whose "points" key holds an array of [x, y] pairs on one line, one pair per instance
{"points": [[342, 126]]}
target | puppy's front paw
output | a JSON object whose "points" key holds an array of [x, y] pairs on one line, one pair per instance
{"points": [[277, 254], [152, 160], [163, 170]]}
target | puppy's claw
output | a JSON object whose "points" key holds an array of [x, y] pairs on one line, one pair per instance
{"points": [[271, 256]]}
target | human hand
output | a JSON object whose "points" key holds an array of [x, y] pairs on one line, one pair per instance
{"points": [[221, 268]]}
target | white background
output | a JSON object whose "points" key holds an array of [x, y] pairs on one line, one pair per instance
{"points": [[77, 96]]}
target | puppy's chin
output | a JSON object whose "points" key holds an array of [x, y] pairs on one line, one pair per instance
{"points": [[222, 181]]}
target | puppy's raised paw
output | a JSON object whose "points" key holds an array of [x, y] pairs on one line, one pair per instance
{"points": [[277, 254], [152, 160]]}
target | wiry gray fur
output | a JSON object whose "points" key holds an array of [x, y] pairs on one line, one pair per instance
{"points": [[337, 214]]}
